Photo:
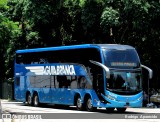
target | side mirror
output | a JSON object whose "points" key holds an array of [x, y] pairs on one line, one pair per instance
{"points": [[149, 70], [103, 67]]}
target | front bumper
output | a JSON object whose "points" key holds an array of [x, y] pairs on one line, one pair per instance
{"points": [[120, 101]]}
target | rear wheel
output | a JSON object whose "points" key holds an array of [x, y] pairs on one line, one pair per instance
{"points": [[29, 100], [79, 104], [35, 100], [121, 109], [89, 105]]}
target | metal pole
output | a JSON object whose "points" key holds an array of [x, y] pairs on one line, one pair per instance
{"points": [[148, 92]]}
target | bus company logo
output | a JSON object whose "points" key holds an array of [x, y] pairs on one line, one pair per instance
{"points": [[59, 70], [51, 70]]}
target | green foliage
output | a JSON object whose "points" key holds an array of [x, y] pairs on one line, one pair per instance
{"points": [[41, 23], [3, 5], [9, 32], [109, 18]]}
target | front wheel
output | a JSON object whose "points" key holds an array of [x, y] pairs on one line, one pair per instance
{"points": [[35, 100], [121, 109], [89, 106]]}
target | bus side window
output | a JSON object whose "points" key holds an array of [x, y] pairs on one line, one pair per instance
{"points": [[56, 83], [18, 81], [61, 80], [82, 82], [73, 82], [53, 84], [68, 81], [64, 81], [19, 59]]}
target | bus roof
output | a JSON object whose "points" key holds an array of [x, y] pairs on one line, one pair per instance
{"points": [[103, 46]]}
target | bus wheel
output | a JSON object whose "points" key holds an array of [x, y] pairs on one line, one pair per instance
{"points": [[89, 105], [35, 100], [29, 100], [121, 109], [79, 104]]}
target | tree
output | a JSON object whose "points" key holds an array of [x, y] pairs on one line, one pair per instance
{"points": [[64, 22], [9, 30]]}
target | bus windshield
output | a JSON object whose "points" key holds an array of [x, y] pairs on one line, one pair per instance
{"points": [[125, 81], [125, 72]]}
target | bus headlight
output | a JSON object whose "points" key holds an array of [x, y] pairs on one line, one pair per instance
{"points": [[110, 97]]}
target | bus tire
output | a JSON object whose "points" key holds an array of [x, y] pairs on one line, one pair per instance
{"points": [[29, 99], [35, 100], [79, 104], [121, 110], [89, 106]]}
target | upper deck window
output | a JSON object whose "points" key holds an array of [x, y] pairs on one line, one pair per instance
{"points": [[81, 56], [121, 58]]}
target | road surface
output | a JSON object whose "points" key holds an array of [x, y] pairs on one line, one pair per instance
{"points": [[20, 112]]}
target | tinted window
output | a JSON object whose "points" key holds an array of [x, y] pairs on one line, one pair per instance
{"points": [[121, 58], [65, 56], [18, 81]]}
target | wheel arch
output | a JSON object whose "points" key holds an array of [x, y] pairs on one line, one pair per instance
{"points": [[35, 92], [87, 95]]}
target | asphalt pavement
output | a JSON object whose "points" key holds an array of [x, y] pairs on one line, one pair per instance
{"points": [[22, 113]]}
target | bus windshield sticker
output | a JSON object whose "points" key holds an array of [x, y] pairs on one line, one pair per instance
{"points": [[123, 64]]}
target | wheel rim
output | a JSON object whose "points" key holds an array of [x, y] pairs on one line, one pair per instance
{"points": [[79, 103], [35, 100], [89, 104], [29, 100]]}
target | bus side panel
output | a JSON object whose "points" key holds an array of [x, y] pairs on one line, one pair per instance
{"points": [[39, 84], [59, 95]]}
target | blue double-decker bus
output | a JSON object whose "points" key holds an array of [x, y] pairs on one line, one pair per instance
{"points": [[87, 76]]}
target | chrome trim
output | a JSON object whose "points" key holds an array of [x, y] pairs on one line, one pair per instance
{"points": [[149, 70], [102, 66]]}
